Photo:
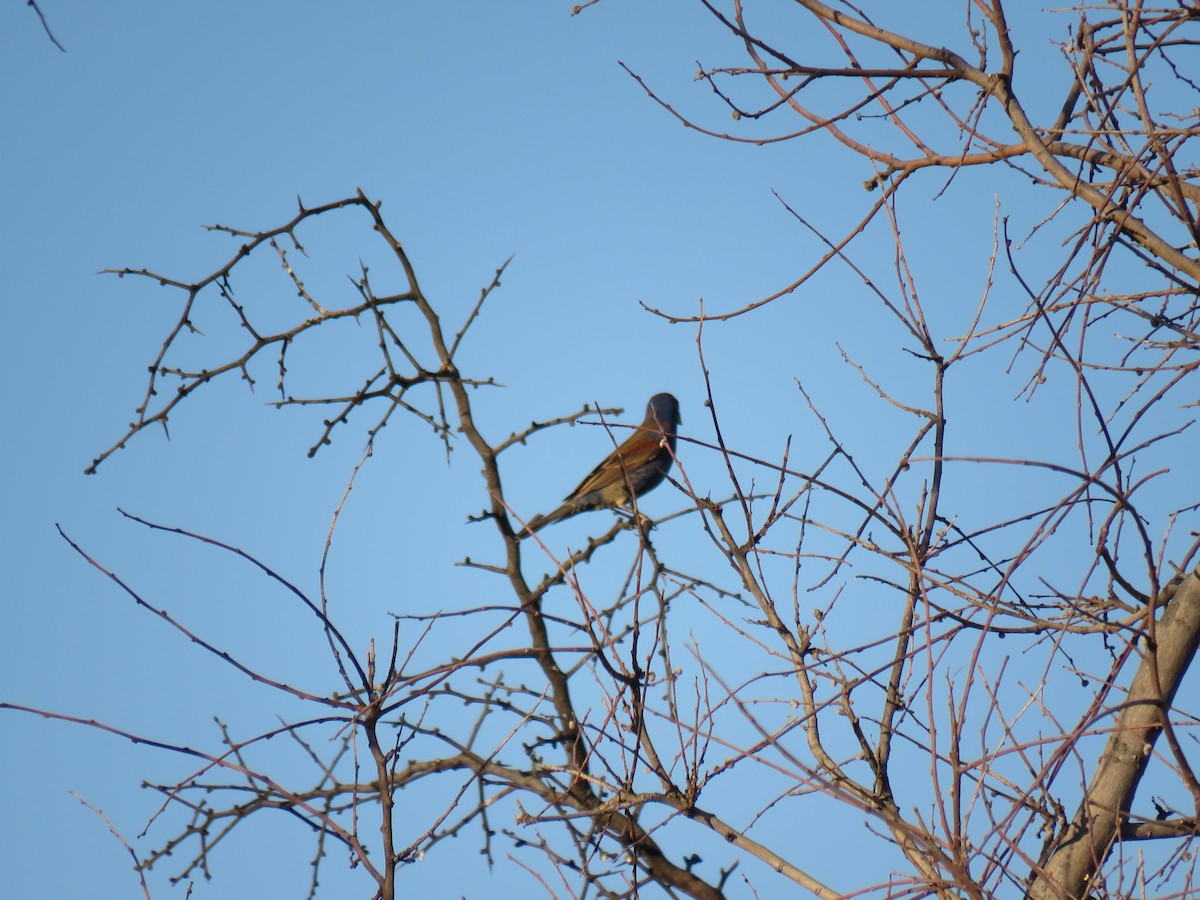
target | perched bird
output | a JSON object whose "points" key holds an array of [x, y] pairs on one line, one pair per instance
{"points": [[637, 466]]}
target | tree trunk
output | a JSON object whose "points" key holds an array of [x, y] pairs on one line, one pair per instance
{"points": [[1086, 842]]}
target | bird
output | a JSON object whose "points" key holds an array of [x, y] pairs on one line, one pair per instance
{"points": [[637, 466]]}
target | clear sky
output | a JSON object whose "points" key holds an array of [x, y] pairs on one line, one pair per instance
{"points": [[488, 130]]}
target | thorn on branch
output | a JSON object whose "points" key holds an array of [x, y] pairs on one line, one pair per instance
{"points": [[46, 27]]}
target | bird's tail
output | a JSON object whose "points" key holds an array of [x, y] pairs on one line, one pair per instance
{"points": [[565, 511]]}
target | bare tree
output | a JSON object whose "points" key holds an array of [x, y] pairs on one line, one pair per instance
{"points": [[936, 718]]}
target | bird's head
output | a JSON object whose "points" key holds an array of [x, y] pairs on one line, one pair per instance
{"points": [[664, 409]]}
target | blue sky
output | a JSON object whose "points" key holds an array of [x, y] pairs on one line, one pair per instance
{"points": [[488, 130]]}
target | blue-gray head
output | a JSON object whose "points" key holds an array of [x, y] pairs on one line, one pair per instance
{"points": [[664, 409]]}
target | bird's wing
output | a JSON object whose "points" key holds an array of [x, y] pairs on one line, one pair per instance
{"points": [[639, 449]]}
